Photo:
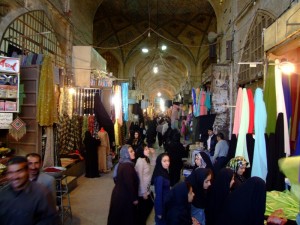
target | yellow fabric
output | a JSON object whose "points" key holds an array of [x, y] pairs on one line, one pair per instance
{"points": [[290, 167], [117, 133], [47, 108]]}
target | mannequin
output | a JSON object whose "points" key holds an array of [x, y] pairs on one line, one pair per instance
{"points": [[103, 150]]}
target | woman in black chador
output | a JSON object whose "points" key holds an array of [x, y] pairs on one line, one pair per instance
{"points": [[91, 156]]}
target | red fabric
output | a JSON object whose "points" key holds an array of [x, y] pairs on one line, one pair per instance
{"points": [[251, 111]]}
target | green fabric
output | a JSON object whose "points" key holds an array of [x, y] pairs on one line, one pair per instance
{"points": [[282, 200], [270, 100], [290, 167]]}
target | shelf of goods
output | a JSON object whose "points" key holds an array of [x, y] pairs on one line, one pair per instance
{"points": [[9, 84]]}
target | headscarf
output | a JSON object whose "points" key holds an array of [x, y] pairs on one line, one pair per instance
{"points": [[245, 202], [202, 162], [237, 162], [140, 153], [196, 179], [124, 158], [159, 170], [178, 209]]}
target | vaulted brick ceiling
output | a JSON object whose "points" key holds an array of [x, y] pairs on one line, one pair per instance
{"points": [[124, 27]]}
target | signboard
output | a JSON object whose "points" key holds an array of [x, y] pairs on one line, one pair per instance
{"points": [[5, 120], [9, 65]]}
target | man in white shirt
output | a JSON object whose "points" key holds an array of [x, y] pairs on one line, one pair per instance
{"points": [[219, 158], [211, 141]]}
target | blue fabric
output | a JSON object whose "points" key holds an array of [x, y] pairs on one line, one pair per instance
{"points": [[198, 214], [194, 97], [260, 167], [297, 150], [207, 103], [287, 97], [124, 87]]}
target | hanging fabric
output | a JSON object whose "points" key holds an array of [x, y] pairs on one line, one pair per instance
{"points": [[203, 109], [270, 100], [118, 104], [241, 148], [281, 108], [238, 112], [208, 100], [260, 167], [295, 98], [251, 111], [47, 107], [124, 87], [18, 129], [49, 153]]}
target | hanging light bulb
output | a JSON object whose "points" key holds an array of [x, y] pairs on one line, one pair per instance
{"points": [[145, 50], [163, 47], [155, 69], [287, 67]]}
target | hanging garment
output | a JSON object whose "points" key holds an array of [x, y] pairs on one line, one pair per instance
{"points": [[260, 167], [203, 109], [208, 101], [103, 118], [287, 98], [295, 98], [270, 100], [279, 183], [49, 151], [297, 150], [47, 113], [238, 112], [103, 150], [124, 87], [251, 111], [281, 108], [118, 104], [241, 148]]}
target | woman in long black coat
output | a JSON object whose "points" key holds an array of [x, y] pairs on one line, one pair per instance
{"points": [[91, 155], [245, 205], [124, 198], [176, 152]]}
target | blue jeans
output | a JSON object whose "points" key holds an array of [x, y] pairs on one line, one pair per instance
{"points": [[198, 214]]}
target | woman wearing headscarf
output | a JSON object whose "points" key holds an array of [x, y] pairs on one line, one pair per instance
{"points": [[202, 160], [245, 205], [91, 155], [161, 181], [200, 179], [124, 198], [143, 169], [178, 204], [218, 194], [238, 165], [176, 152], [135, 141]]}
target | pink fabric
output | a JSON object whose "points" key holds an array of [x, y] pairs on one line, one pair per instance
{"points": [[251, 111], [238, 112], [203, 109]]}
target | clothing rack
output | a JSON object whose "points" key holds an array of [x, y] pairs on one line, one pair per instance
{"points": [[84, 100]]}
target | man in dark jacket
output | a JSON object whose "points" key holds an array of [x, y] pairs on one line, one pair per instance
{"points": [[24, 202], [211, 141]]}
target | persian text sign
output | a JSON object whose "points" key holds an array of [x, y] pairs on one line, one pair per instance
{"points": [[5, 120], [9, 65]]}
